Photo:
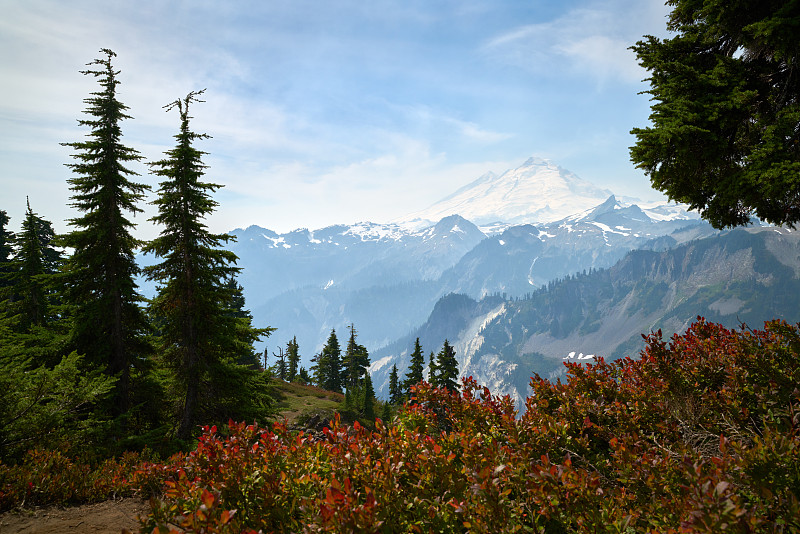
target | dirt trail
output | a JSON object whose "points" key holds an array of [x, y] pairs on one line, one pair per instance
{"points": [[109, 517]]}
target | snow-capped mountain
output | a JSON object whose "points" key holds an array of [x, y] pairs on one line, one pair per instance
{"points": [[350, 256], [523, 258], [519, 271], [386, 278], [537, 191]]}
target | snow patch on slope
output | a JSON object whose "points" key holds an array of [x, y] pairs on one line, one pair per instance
{"points": [[380, 364], [489, 369]]}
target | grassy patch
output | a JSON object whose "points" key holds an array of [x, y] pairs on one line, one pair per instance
{"points": [[297, 400]]}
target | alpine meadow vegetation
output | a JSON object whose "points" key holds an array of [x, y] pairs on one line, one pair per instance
{"points": [[701, 433]]}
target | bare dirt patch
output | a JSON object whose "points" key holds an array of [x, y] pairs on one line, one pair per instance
{"points": [[108, 517]]}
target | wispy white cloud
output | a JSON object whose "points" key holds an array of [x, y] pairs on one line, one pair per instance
{"points": [[589, 41], [441, 124], [474, 132]]}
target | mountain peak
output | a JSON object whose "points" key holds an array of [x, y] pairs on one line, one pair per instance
{"points": [[608, 206], [534, 160], [536, 191], [454, 227]]}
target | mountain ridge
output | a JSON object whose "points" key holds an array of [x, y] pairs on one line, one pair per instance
{"points": [[745, 275]]}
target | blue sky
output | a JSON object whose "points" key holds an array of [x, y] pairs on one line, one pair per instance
{"points": [[329, 112]]}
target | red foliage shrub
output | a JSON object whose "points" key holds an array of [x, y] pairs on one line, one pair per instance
{"points": [[700, 434], [49, 477]]}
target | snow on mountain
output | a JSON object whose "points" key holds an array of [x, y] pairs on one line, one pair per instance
{"points": [[358, 254], [386, 277], [644, 212], [536, 191], [358, 233]]}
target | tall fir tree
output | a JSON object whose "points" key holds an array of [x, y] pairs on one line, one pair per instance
{"points": [[281, 368], [355, 361], [415, 369], [7, 239], [201, 340], [447, 368], [109, 325], [395, 392], [292, 358], [316, 373], [35, 260], [368, 399], [328, 367]]}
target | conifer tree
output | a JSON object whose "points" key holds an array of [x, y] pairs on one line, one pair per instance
{"points": [[725, 93], [7, 239], [328, 367], [348, 399], [34, 324], [395, 393], [109, 325], [316, 376], [281, 370], [293, 358], [201, 340], [415, 370], [245, 354], [386, 412], [432, 377], [303, 376], [368, 399], [34, 261], [355, 361], [447, 368], [43, 406]]}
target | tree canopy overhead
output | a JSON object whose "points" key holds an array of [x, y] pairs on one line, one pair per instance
{"points": [[725, 132]]}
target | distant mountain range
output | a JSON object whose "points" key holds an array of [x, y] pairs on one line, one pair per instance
{"points": [[520, 272], [742, 276], [386, 278], [382, 278]]}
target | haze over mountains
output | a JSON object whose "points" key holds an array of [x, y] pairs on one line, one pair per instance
{"points": [[386, 278], [518, 271], [745, 275]]}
